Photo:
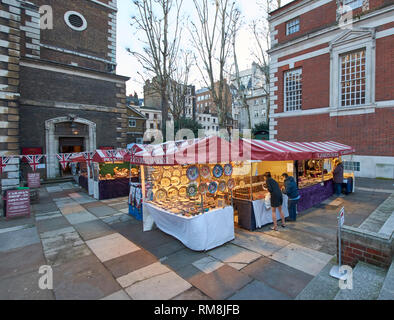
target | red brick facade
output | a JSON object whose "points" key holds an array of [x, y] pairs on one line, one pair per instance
{"points": [[317, 49]]}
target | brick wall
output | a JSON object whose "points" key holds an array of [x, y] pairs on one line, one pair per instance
{"points": [[43, 85], [385, 68], [371, 134], [94, 41], [320, 18]]}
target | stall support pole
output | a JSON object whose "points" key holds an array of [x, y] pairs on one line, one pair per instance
{"points": [[335, 271]]}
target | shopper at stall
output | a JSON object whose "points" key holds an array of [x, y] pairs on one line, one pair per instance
{"points": [[338, 177], [276, 199], [291, 190]]}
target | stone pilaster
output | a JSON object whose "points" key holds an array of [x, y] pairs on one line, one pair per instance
{"points": [[122, 115], [10, 52]]}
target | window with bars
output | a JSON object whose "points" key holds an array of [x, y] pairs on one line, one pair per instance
{"points": [[351, 165], [353, 78], [293, 26], [293, 90]]}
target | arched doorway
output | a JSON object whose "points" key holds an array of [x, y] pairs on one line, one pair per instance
{"points": [[67, 135]]}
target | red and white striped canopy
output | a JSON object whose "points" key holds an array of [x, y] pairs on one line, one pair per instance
{"points": [[283, 150]]}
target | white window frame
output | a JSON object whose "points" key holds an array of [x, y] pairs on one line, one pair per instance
{"points": [[135, 123], [353, 4], [66, 19], [292, 23], [360, 40], [298, 70]]}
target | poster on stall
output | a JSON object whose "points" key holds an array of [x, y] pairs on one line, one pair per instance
{"points": [[290, 167]]}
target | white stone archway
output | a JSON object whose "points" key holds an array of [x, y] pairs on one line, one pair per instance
{"points": [[52, 141]]}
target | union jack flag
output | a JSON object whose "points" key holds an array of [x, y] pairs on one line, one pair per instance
{"points": [[88, 157], [64, 159], [112, 155], [34, 161], [3, 163]]}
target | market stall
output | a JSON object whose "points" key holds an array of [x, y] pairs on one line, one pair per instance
{"points": [[185, 194], [105, 174], [310, 163]]}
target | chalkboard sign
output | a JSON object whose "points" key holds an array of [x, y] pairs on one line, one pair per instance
{"points": [[18, 203], [33, 180]]}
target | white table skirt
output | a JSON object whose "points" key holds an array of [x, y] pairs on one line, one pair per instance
{"points": [[199, 233], [263, 212]]}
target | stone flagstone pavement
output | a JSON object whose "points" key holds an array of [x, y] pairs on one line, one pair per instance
{"points": [[98, 251]]}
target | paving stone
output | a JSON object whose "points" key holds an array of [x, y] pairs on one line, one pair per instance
{"points": [[23, 287], [52, 224], [162, 287], [118, 218], [119, 207], [281, 277], [259, 242], [18, 239], [207, 264], [167, 249], [49, 215], [220, 284], [22, 260], [192, 294], [111, 246], [231, 253], [189, 271], [83, 279], [63, 245], [93, 204], [301, 258], [141, 274], [72, 208], [75, 218], [257, 290], [237, 266], [102, 211], [54, 189], [93, 229], [119, 295], [130, 262], [181, 258], [44, 207]]}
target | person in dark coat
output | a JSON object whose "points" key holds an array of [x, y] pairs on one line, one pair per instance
{"points": [[291, 190], [338, 177], [276, 200]]}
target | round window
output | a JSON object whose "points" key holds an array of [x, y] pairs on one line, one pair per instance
{"points": [[75, 20]]}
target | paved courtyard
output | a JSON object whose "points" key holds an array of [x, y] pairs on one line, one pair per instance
{"points": [[98, 251]]}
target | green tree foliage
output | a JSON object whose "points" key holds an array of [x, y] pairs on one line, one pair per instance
{"points": [[184, 123]]}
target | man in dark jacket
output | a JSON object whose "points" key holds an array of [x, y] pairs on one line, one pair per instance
{"points": [[291, 190], [338, 177]]}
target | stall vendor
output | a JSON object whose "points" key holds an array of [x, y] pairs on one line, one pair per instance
{"points": [[338, 176]]}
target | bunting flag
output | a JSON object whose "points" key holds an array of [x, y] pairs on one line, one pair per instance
{"points": [[64, 159], [34, 161], [88, 157], [112, 155], [3, 163]]}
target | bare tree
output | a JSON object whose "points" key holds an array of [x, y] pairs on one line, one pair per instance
{"points": [[212, 36], [179, 88], [159, 21], [240, 89], [262, 36]]}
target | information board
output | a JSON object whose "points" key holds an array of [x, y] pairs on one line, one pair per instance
{"points": [[18, 203], [33, 180]]}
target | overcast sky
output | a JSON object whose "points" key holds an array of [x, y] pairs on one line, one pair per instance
{"points": [[126, 37]]}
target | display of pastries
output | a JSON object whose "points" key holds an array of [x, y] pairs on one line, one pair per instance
{"points": [[175, 181], [173, 193], [165, 182]]}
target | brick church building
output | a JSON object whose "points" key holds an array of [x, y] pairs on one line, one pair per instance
{"points": [[332, 78], [59, 92]]}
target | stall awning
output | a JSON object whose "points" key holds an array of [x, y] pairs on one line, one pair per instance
{"points": [[283, 150]]}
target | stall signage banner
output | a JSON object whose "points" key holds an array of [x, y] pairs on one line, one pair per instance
{"points": [[18, 203], [3, 163], [88, 157], [33, 180], [342, 216]]}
